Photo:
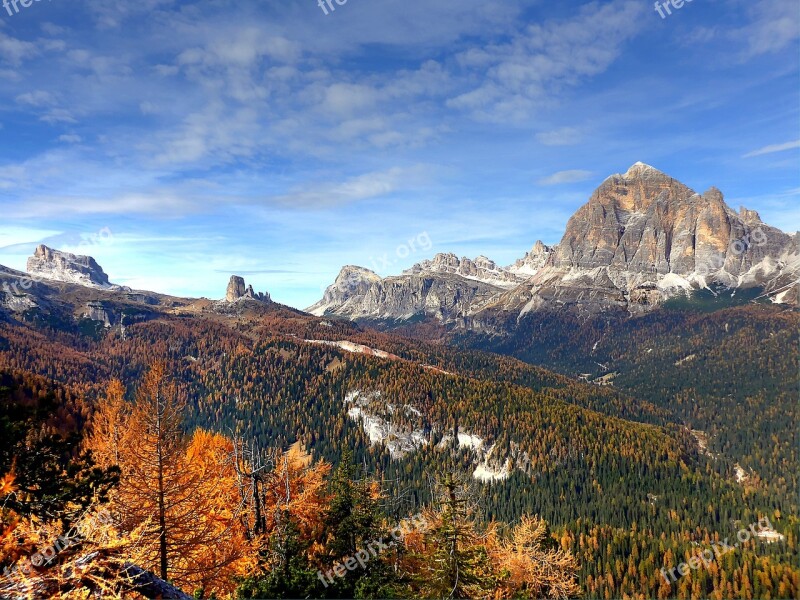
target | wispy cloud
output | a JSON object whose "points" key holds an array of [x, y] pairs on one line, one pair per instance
{"points": [[13, 50], [363, 187], [774, 25], [565, 136], [773, 148], [16, 235], [570, 176]]}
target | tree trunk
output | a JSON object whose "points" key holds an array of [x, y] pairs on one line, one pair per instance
{"points": [[162, 512]]}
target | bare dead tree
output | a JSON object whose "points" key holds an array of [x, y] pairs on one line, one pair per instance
{"points": [[251, 463]]}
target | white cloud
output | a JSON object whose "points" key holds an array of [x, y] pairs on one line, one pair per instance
{"points": [[571, 176], [37, 99], [770, 27], [775, 24], [539, 61], [16, 235], [217, 134], [13, 50], [58, 115], [53, 29], [348, 99], [155, 203]]}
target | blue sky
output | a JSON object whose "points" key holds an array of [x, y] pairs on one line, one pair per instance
{"points": [[181, 142]]}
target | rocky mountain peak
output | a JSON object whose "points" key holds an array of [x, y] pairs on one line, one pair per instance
{"points": [[481, 269], [714, 194], [443, 260], [639, 169], [749, 216], [539, 248], [534, 260], [351, 283], [237, 290], [645, 236], [55, 265], [353, 276]]}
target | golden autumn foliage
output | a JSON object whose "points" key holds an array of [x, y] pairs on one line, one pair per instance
{"points": [[9, 547], [296, 485], [218, 550], [592, 475], [447, 554], [179, 492], [7, 485], [86, 559], [108, 430], [221, 511], [525, 567], [288, 496]]}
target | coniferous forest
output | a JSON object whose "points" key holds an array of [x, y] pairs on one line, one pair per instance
{"points": [[239, 458]]}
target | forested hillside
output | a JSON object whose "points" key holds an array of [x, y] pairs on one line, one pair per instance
{"points": [[730, 375], [623, 483]]}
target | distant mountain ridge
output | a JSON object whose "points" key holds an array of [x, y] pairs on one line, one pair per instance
{"points": [[481, 269], [641, 239], [359, 293]]}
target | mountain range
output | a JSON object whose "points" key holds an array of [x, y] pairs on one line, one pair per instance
{"points": [[642, 239]]}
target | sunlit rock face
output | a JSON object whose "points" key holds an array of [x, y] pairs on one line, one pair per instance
{"points": [[644, 237], [237, 290], [55, 265]]}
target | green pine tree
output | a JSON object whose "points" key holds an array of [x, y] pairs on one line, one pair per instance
{"points": [[354, 521], [293, 577], [455, 564]]}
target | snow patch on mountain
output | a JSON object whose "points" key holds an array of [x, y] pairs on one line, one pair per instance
{"points": [[782, 297], [481, 269], [465, 440], [486, 472], [533, 261], [673, 281]]}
